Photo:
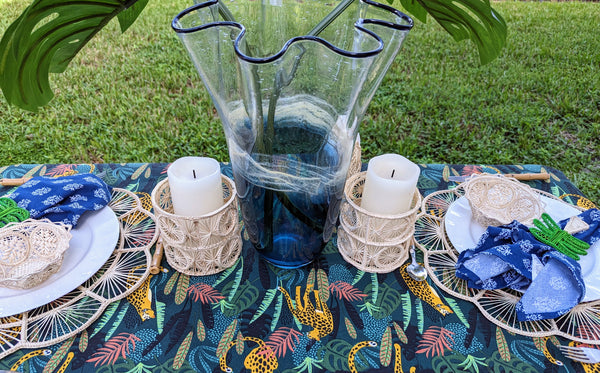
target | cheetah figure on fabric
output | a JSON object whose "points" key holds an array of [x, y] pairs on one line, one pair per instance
{"points": [[261, 359], [320, 318]]}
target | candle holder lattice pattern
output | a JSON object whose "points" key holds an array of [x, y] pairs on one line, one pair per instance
{"points": [[199, 246], [372, 242]]}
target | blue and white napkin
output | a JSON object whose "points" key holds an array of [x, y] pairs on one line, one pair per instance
{"points": [[510, 257], [62, 199]]}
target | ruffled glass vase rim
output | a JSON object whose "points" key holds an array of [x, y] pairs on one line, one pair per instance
{"points": [[359, 25]]}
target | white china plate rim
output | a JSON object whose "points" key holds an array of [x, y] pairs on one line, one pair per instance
{"points": [[92, 243], [464, 236]]}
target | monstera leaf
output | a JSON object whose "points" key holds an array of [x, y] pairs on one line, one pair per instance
{"points": [[46, 37], [465, 19], [49, 33]]}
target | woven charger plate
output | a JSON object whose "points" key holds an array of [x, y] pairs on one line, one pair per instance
{"points": [[126, 269], [581, 324]]}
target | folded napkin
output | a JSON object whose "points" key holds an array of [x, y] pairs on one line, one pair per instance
{"points": [[510, 257], [62, 199]]}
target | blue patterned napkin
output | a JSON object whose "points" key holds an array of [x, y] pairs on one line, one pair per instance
{"points": [[62, 199], [510, 257]]}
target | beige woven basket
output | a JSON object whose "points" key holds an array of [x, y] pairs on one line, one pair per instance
{"points": [[31, 251], [371, 242], [497, 200], [199, 246]]}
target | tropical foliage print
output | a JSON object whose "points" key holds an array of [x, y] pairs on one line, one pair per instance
{"points": [[254, 317]]}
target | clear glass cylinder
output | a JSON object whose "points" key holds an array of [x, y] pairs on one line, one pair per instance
{"points": [[291, 91]]}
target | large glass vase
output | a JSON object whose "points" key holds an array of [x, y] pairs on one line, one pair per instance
{"points": [[291, 81]]}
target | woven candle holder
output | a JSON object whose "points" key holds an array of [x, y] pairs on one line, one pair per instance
{"points": [[372, 242], [199, 246]]}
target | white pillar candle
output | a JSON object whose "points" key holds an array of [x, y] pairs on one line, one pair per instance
{"points": [[389, 184], [195, 184]]}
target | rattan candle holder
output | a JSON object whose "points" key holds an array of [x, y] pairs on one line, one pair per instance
{"points": [[372, 242], [199, 246]]}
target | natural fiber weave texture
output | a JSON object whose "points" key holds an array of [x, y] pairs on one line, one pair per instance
{"points": [[371, 242], [498, 200], [199, 246], [356, 160], [31, 251]]}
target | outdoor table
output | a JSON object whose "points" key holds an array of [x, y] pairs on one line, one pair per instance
{"points": [[194, 319]]}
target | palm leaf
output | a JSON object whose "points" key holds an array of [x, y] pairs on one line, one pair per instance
{"points": [[171, 283], [160, 316], [200, 331], [182, 288], [277, 311], [117, 322], [182, 351], [420, 315], [118, 346], [436, 340], [46, 37], [323, 283], [267, 300], [106, 316], [502, 345], [239, 344], [205, 293], [406, 309], [457, 311], [310, 280], [282, 340], [385, 353], [344, 290], [359, 275], [401, 335], [58, 355], [350, 328], [83, 341], [226, 338]]}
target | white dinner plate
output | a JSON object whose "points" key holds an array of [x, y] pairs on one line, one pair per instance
{"points": [[93, 242], [464, 233]]}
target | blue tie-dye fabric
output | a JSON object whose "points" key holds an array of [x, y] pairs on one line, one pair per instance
{"points": [[62, 199]]}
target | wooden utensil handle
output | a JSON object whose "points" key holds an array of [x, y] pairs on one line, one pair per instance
{"points": [[530, 176], [14, 182], [156, 258]]}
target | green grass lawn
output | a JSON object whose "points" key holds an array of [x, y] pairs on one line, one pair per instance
{"points": [[136, 98]]}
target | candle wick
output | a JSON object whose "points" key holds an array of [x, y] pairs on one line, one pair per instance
{"points": [[194, 172], [394, 170]]}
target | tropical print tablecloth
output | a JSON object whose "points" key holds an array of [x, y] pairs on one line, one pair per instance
{"points": [[326, 317]]}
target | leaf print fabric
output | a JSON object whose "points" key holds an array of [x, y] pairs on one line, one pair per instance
{"points": [[242, 306], [63, 199]]}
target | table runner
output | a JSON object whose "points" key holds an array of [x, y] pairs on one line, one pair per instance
{"points": [[264, 319]]}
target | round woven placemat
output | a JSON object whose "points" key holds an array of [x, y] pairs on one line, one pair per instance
{"points": [[126, 269], [581, 324]]}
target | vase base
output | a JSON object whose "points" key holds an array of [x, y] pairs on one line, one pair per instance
{"points": [[287, 252]]}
